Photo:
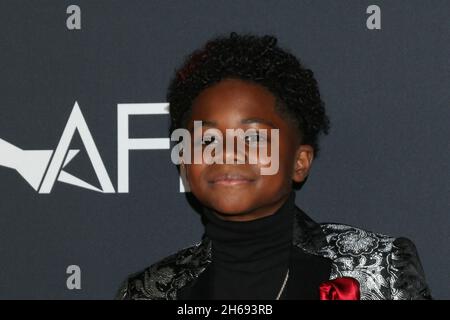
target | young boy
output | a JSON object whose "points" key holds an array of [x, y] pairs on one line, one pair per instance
{"points": [[258, 244]]}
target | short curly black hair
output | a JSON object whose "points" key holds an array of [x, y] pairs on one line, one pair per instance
{"points": [[257, 59]]}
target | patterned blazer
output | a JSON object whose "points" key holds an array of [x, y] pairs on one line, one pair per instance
{"points": [[386, 267]]}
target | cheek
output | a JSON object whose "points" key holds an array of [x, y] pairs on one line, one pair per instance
{"points": [[279, 157], [272, 184], [278, 172], [194, 175]]}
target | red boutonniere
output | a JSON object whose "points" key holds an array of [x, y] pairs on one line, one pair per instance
{"points": [[344, 288]]}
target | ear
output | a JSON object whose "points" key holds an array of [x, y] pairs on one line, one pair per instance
{"points": [[303, 162]]}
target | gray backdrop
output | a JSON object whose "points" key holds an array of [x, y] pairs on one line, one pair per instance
{"points": [[384, 166]]}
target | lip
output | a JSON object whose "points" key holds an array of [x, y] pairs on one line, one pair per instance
{"points": [[231, 179]]}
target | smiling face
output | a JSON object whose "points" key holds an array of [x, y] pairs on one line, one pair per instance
{"points": [[239, 192]]}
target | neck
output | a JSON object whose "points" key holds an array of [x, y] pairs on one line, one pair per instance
{"points": [[252, 246], [254, 214]]}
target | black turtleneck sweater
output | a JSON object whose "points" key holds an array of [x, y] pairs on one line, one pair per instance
{"points": [[250, 259]]}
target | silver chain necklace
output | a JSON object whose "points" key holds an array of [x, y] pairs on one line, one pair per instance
{"points": [[284, 285]]}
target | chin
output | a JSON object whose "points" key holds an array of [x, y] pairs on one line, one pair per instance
{"points": [[227, 201], [230, 206], [230, 209]]}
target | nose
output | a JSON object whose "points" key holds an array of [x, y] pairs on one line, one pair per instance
{"points": [[234, 149]]}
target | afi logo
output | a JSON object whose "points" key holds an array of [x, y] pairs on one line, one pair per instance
{"points": [[41, 168]]}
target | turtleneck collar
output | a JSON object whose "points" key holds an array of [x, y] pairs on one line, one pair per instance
{"points": [[252, 246]]}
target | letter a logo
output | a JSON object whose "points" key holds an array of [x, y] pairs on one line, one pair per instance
{"points": [[63, 156]]}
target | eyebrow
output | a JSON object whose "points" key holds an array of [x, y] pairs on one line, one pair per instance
{"points": [[208, 123]]}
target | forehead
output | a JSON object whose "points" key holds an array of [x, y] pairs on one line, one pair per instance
{"points": [[232, 100]]}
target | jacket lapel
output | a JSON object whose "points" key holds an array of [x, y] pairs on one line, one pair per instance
{"points": [[192, 281], [198, 289], [306, 273], [309, 268]]}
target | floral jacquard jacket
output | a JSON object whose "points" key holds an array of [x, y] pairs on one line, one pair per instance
{"points": [[385, 267]]}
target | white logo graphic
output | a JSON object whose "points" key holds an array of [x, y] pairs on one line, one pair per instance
{"points": [[42, 168]]}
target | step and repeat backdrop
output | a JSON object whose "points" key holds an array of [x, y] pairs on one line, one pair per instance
{"points": [[88, 192]]}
